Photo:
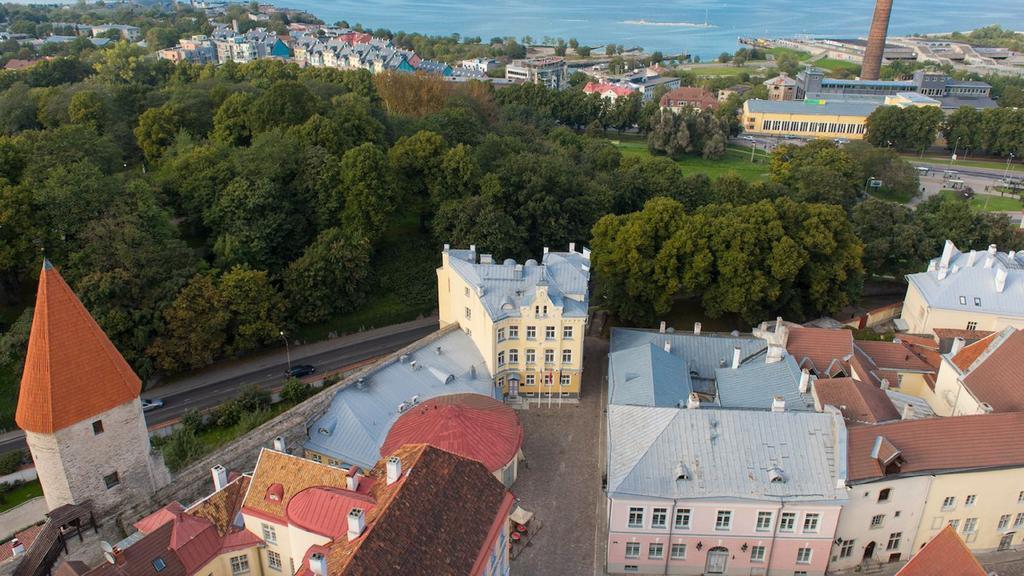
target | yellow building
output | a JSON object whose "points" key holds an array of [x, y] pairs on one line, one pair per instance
{"points": [[839, 117], [527, 320], [985, 507]]}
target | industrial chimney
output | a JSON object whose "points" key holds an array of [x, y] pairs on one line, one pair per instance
{"points": [[872, 65]]}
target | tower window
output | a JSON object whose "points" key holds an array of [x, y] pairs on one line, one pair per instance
{"points": [[97, 427], [111, 480]]}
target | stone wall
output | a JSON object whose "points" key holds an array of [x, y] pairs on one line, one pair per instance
{"points": [[195, 482]]}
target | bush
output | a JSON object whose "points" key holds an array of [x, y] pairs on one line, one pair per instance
{"points": [[227, 414], [296, 391], [192, 420], [253, 399], [181, 448], [251, 420], [10, 461]]}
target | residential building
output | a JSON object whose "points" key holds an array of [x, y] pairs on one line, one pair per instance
{"points": [[550, 71], [79, 406], [859, 402], [738, 89], [129, 33], [689, 96], [901, 365], [687, 495], [610, 92], [484, 65], [976, 290], [944, 555], [982, 377], [527, 320], [781, 87], [950, 93], [817, 119]]}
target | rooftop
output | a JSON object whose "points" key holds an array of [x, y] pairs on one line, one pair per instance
{"points": [[994, 376], [818, 349], [859, 402], [647, 375], [944, 555], [755, 384], [985, 281], [702, 353]]}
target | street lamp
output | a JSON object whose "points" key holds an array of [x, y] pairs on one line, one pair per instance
{"points": [[867, 183], [953, 156], [287, 350], [1006, 173]]}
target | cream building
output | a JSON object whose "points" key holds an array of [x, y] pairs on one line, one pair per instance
{"points": [[981, 377], [976, 290], [527, 320]]}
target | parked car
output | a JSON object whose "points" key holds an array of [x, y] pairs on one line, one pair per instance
{"points": [[149, 404], [299, 371]]}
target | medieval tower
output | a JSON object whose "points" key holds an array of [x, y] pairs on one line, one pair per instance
{"points": [[79, 406], [872, 64]]}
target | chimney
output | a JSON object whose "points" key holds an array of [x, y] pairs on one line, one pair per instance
{"points": [[545, 250], [778, 404], [696, 328], [352, 478], [668, 346], [989, 262], [736, 357], [318, 564], [908, 412], [875, 49], [1000, 280], [778, 324], [958, 345], [805, 381], [279, 444], [992, 249], [234, 26], [356, 524], [447, 247], [572, 247], [984, 408], [220, 477], [693, 401], [394, 469], [472, 248], [972, 258], [17, 548], [487, 259], [661, 329], [884, 385], [586, 253]]}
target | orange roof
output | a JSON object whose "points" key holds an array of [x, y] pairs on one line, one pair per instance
{"points": [[818, 347], [898, 356], [965, 357], [72, 370], [944, 555], [995, 377], [859, 402]]}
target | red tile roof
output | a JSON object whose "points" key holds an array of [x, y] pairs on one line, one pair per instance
{"points": [[940, 444], [157, 519], [896, 356], [470, 425], [969, 335], [72, 370], [818, 347], [692, 95], [965, 357], [945, 555], [996, 379], [860, 402], [26, 537], [324, 511], [279, 477], [600, 88], [16, 64], [137, 559]]}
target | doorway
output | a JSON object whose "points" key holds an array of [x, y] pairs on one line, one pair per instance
{"points": [[869, 551], [717, 558], [1006, 542]]}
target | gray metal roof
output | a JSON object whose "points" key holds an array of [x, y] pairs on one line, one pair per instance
{"points": [[756, 383], [703, 354], [974, 276], [647, 376], [505, 287], [725, 454], [355, 425], [921, 407], [829, 108]]}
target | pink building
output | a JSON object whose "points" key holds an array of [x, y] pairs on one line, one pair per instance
{"points": [[703, 490]]}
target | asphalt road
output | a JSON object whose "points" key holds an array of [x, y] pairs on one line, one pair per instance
{"points": [[177, 400]]}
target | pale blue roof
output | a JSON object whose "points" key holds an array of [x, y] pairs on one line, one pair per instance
{"points": [[726, 454], [828, 108], [358, 420], [756, 383], [647, 376], [973, 277], [702, 354]]}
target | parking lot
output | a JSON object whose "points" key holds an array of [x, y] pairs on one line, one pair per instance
{"points": [[561, 483]]}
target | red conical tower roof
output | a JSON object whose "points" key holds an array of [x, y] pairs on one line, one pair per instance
{"points": [[72, 370]]}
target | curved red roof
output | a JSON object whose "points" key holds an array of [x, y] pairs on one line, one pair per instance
{"points": [[469, 425], [324, 511]]}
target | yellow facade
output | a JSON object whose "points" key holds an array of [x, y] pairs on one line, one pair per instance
{"points": [[221, 565], [806, 125], [536, 353], [986, 507], [922, 318], [289, 543]]}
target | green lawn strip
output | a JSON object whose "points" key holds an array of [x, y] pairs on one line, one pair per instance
{"points": [[834, 65], [737, 160], [20, 495], [216, 436], [891, 195], [783, 51], [988, 202]]}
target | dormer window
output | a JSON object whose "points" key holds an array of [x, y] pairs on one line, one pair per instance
{"points": [[97, 427], [977, 301], [682, 472], [963, 300], [776, 475], [275, 493]]}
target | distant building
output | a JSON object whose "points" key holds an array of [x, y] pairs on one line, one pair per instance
{"points": [[875, 48], [689, 96], [610, 92], [782, 87], [814, 119], [129, 33], [950, 93], [550, 71], [739, 89], [484, 65]]}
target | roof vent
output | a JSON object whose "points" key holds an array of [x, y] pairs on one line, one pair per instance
{"points": [[661, 328], [352, 478], [220, 477], [413, 365], [984, 408], [696, 328], [356, 524], [668, 346], [736, 353], [318, 564], [1000, 280], [958, 344], [437, 350], [908, 411], [805, 381], [361, 383], [776, 475], [778, 404], [682, 473], [394, 469], [404, 358], [279, 444], [992, 249], [472, 372], [275, 493], [693, 401], [450, 379], [402, 408]]}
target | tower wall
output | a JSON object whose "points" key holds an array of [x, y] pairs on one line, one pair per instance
{"points": [[872, 65]]}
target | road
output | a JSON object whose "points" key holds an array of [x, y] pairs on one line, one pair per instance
{"points": [[221, 382]]}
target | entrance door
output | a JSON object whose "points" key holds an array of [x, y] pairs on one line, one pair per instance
{"points": [[513, 388], [716, 560], [1006, 541], [869, 551]]}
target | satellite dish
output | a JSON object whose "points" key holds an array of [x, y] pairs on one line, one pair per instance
{"points": [[108, 551]]}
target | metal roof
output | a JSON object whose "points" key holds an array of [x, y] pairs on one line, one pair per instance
{"points": [[972, 275], [703, 353], [756, 383], [647, 376], [725, 454], [827, 108], [357, 422]]}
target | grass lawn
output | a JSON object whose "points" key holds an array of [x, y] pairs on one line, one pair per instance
{"points": [[783, 51], [890, 195], [21, 494], [834, 65], [215, 437], [737, 160], [718, 70], [988, 202]]}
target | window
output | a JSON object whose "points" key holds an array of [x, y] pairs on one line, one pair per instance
{"points": [[632, 550], [531, 379], [800, 573], [894, 557], [970, 526], [565, 380], [269, 533], [636, 518], [469, 313], [566, 356], [549, 332], [724, 520], [549, 356], [659, 517], [631, 568], [111, 480], [274, 560], [159, 564], [501, 334], [679, 551], [513, 356], [547, 379], [963, 300], [501, 358], [513, 332], [239, 564], [811, 522], [567, 332], [977, 301], [972, 325], [803, 556], [531, 356], [764, 521], [954, 523], [878, 520], [846, 548], [883, 494], [1020, 497], [894, 541], [655, 551], [531, 332], [97, 427], [757, 554], [788, 522], [1018, 521], [949, 502], [970, 500], [315, 457], [1004, 522], [683, 519], [466, 291]]}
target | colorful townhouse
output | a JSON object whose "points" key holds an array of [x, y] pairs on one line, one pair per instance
{"points": [[981, 377], [527, 320]]}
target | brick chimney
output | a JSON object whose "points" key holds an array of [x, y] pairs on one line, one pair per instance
{"points": [[872, 65]]}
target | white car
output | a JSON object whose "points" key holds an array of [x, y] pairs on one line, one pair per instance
{"points": [[149, 404]]}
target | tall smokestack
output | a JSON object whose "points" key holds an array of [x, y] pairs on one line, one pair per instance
{"points": [[872, 65]]}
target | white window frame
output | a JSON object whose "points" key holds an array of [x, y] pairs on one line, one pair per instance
{"points": [[565, 380], [269, 533], [501, 358], [970, 500], [531, 356], [531, 332], [513, 332], [549, 332], [949, 503], [806, 553], [501, 334], [723, 520], [678, 551], [682, 514], [638, 512], [659, 513], [881, 521], [633, 556], [549, 356], [811, 522], [567, 356], [274, 560], [757, 554], [566, 332], [652, 555], [240, 564], [764, 521], [513, 356], [787, 523]]}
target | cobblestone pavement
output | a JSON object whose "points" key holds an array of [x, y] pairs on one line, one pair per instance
{"points": [[562, 483]]}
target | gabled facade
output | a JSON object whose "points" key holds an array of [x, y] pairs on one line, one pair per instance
{"points": [[981, 377]]}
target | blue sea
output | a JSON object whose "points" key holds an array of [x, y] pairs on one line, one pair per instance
{"points": [[664, 25]]}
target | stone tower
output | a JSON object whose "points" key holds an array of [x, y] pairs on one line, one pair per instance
{"points": [[79, 406], [872, 64]]}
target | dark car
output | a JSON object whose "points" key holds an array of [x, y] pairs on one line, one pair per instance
{"points": [[299, 371]]}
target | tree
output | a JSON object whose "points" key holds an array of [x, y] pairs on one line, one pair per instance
{"points": [[256, 309], [329, 277], [231, 122], [817, 172], [87, 107], [196, 327], [370, 196], [255, 223], [286, 103], [583, 51], [911, 128], [157, 129], [17, 109], [481, 221], [893, 241]]}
